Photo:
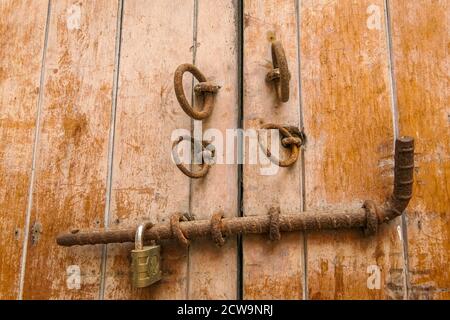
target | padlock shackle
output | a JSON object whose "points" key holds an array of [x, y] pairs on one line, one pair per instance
{"points": [[139, 237]]}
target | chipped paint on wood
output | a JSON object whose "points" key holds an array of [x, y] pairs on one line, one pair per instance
{"points": [[71, 158], [146, 184], [348, 122], [420, 39], [270, 270], [22, 32]]}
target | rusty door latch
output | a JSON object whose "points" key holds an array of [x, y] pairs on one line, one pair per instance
{"points": [[218, 228], [280, 74], [368, 217]]}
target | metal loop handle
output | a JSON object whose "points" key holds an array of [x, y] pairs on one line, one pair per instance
{"points": [[207, 89], [200, 146], [139, 237], [293, 141], [280, 74]]}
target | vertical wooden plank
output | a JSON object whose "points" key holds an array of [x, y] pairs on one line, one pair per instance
{"points": [[146, 184], [213, 270], [270, 270], [22, 33], [420, 38], [349, 155], [71, 160]]}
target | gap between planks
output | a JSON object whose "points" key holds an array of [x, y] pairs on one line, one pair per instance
{"points": [[395, 125], [112, 130]]}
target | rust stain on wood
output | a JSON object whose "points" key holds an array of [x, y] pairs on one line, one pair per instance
{"points": [[22, 28], [147, 113], [213, 271], [270, 270], [348, 121], [72, 152], [349, 156], [420, 38]]}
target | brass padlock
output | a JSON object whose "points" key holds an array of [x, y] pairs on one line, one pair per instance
{"points": [[145, 260]]}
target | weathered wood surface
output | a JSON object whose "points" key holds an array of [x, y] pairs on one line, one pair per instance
{"points": [[420, 38], [71, 156], [272, 270], [213, 271], [22, 32], [145, 182], [349, 155], [341, 92]]}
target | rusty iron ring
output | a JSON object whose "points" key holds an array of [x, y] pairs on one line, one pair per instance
{"points": [[176, 230], [216, 232], [280, 73], [293, 144], [200, 146], [205, 88]]}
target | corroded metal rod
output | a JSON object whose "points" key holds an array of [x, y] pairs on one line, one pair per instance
{"points": [[368, 217], [302, 221]]}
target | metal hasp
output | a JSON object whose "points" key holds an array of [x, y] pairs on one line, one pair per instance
{"points": [[368, 217], [280, 74]]}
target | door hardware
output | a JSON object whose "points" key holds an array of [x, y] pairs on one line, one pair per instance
{"points": [[368, 217], [204, 87], [291, 137], [206, 157], [145, 260], [280, 74]]}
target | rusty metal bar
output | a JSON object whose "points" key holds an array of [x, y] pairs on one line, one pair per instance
{"points": [[368, 217], [312, 220]]}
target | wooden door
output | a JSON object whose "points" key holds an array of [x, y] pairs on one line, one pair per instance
{"points": [[88, 114]]}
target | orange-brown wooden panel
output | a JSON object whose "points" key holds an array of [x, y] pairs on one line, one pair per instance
{"points": [[349, 153], [22, 31], [213, 270], [71, 165], [420, 38], [146, 184], [271, 270]]}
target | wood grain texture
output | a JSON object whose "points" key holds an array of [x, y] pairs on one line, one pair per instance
{"points": [[212, 270], [71, 163], [421, 39], [271, 270], [349, 153], [22, 32], [146, 184]]}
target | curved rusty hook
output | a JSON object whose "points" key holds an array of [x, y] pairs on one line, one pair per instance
{"points": [[280, 74], [207, 89], [199, 146], [290, 139]]}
